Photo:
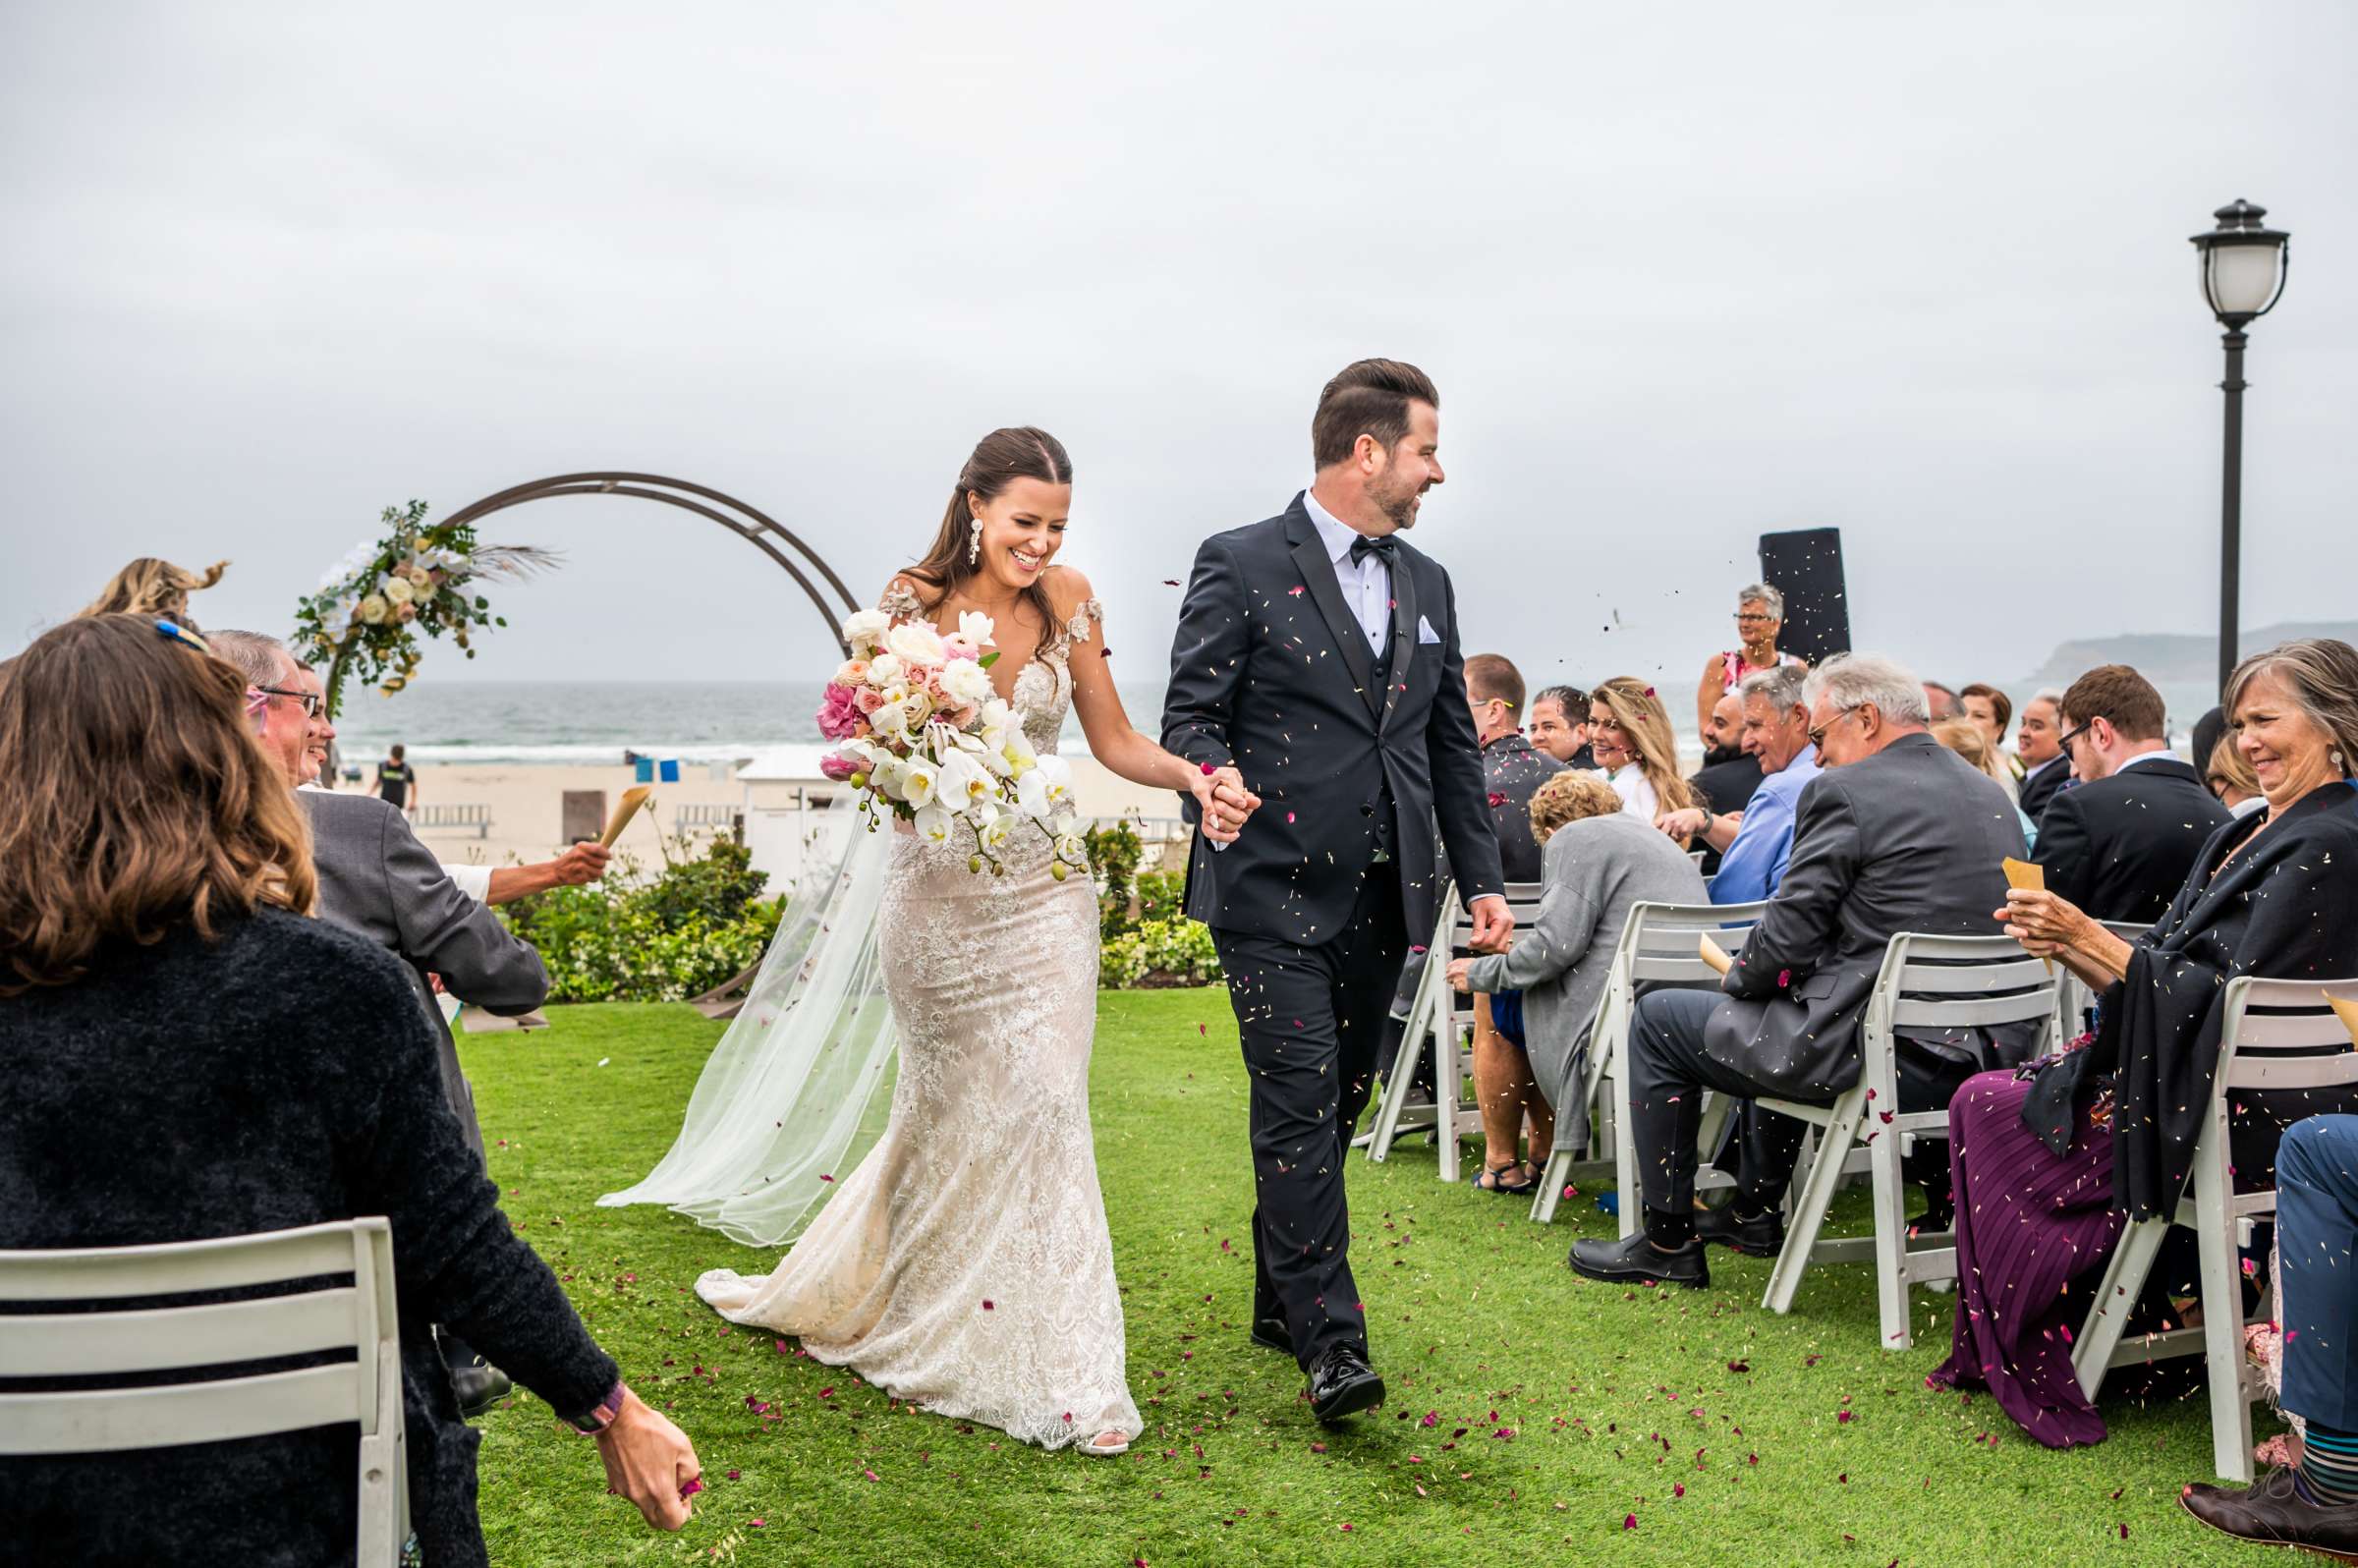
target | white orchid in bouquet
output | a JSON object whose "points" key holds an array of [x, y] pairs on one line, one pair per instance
{"points": [[923, 733], [371, 605]]}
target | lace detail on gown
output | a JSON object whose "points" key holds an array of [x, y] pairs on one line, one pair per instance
{"points": [[966, 1266]]}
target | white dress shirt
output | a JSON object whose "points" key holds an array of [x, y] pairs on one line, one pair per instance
{"points": [[2158, 754], [1367, 583]]}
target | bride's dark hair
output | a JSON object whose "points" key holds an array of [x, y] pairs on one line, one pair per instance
{"points": [[1019, 452]]}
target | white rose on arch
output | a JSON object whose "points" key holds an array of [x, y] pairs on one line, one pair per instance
{"points": [[397, 590], [864, 630], [373, 609]]}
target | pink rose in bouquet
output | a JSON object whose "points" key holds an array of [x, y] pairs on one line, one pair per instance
{"points": [[839, 715]]}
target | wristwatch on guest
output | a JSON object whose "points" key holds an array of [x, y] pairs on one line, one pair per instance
{"points": [[601, 1417]]}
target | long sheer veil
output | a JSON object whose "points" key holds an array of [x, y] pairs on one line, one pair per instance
{"points": [[798, 1089]]}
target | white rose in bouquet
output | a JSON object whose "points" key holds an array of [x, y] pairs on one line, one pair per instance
{"points": [[865, 630], [915, 642], [884, 670], [891, 722], [966, 681], [915, 706]]}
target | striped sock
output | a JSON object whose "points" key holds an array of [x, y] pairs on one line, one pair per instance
{"points": [[2328, 1475]]}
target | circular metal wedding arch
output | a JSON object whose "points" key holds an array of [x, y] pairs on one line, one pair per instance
{"points": [[761, 531]]}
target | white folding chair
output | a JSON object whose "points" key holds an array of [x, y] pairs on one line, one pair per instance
{"points": [[2277, 1033], [2073, 999], [1927, 983], [359, 1317], [1659, 949], [1440, 1018]]}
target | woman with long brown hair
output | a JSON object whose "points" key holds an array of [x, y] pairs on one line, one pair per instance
{"points": [[150, 586], [1629, 730], [185, 1055], [964, 1264]]}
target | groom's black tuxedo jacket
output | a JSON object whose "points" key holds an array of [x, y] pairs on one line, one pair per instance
{"points": [[1272, 672]]}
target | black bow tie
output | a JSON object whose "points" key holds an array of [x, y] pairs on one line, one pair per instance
{"points": [[1363, 547]]}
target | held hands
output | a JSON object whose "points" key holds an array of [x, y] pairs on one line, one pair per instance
{"points": [[1492, 924], [1458, 967], [1223, 802], [649, 1461], [1684, 824]]}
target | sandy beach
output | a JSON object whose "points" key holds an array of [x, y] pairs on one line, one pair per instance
{"points": [[526, 804]]}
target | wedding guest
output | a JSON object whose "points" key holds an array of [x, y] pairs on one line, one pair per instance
{"points": [[378, 881], [1755, 847], [2209, 731], [1633, 745], [1897, 834], [1939, 702], [152, 586], [2120, 844], [2051, 1160], [1559, 725], [1972, 743], [2313, 1501], [2039, 742], [1760, 617], [580, 863], [2231, 780], [1598, 861], [397, 782], [1994, 711], [183, 1056], [1729, 774]]}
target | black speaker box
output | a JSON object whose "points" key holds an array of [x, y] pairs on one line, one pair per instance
{"points": [[1805, 565]]}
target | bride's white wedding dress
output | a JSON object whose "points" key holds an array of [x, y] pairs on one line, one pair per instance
{"points": [[965, 1265]]}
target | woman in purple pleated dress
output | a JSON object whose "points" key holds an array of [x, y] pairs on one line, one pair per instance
{"points": [[2051, 1160]]}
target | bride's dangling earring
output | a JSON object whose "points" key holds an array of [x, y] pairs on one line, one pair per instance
{"points": [[973, 546]]}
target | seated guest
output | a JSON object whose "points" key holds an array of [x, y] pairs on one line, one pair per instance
{"points": [[2039, 741], [2118, 845], [1559, 725], [1897, 834], [580, 863], [1729, 774], [1599, 862], [1972, 743], [1994, 710], [1755, 846], [1939, 702], [1760, 618], [150, 586], [2312, 1503], [2232, 781], [377, 881], [1514, 772], [1631, 733], [183, 1056], [2051, 1160]]}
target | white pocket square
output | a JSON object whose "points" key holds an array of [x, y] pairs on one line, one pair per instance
{"points": [[1425, 631]]}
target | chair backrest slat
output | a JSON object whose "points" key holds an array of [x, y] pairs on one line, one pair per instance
{"points": [[2291, 1031], [1522, 902], [225, 1262], [103, 1421], [2262, 1070], [1910, 1012], [1931, 980], [214, 1334]]}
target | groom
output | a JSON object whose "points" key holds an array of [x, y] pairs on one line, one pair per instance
{"points": [[1318, 653]]}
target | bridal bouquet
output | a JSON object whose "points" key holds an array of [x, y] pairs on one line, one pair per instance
{"points": [[922, 733]]}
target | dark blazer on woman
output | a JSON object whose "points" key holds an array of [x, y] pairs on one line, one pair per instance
{"points": [[2284, 908], [282, 1076]]}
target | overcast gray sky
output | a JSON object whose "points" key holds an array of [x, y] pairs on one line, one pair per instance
{"points": [[1683, 274]]}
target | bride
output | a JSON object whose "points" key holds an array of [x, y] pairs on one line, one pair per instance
{"points": [[964, 1264]]}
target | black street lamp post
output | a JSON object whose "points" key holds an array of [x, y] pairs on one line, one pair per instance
{"points": [[2243, 276]]}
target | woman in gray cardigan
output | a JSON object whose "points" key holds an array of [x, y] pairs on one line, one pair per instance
{"points": [[1598, 862]]}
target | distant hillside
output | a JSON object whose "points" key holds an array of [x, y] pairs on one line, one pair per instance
{"points": [[2184, 667]]}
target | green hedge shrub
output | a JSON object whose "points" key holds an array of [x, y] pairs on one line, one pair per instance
{"points": [[660, 938]]}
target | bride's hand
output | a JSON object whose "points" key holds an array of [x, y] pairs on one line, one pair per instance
{"points": [[1223, 803]]}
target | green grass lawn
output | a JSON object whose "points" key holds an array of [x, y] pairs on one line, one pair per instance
{"points": [[1532, 1414]]}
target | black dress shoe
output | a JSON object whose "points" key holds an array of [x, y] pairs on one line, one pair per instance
{"points": [[1763, 1236], [1342, 1383], [1269, 1333], [2270, 1513], [1638, 1260]]}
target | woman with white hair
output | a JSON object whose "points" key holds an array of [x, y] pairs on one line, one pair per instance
{"points": [[1760, 616]]}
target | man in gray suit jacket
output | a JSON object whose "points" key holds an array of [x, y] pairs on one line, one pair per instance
{"points": [[1899, 834]]}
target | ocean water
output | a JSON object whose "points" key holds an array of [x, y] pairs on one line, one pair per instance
{"points": [[596, 722]]}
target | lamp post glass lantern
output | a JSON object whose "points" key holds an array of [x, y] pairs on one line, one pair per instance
{"points": [[2244, 263]]}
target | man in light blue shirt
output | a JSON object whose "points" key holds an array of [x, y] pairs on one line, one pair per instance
{"points": [[1755, 844]]}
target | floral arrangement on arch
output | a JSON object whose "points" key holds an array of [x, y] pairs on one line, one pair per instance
{"points": [[927, 739], [374, 604]]}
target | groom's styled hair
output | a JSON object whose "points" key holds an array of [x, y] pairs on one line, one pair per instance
{"points": [[1368, 398]]}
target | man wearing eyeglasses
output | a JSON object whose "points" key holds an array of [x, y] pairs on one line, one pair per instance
{"points": [[2119, 845], [1897, 834], [378, 881]]}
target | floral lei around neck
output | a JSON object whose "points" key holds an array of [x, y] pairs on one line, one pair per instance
{"points": [[371, 606]]}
